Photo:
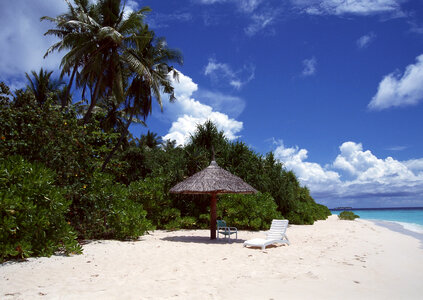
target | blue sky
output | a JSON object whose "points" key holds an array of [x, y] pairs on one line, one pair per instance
{"points": [[334, 88]]}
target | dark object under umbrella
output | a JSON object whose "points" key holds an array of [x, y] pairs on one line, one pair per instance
{"points": [[213, 180]]}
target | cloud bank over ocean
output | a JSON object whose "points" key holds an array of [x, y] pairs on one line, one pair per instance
{"points": [[356, 177]]}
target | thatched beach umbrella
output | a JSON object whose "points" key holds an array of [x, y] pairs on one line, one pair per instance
{"points": [[213, 180]]}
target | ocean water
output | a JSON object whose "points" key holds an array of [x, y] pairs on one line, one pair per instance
{"points": [[409, 219]]}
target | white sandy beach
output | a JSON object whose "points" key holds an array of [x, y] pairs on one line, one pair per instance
{"points": [[332, 259]]}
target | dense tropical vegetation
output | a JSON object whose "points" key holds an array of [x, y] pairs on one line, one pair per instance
{"points": [[348, 215], [70, 169]]}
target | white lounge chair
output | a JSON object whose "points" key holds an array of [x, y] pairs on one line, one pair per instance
{"points": [[275, 235]]}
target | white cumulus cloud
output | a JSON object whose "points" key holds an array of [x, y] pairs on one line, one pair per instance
{"points": [[398, 89], [366, 167], [190, 113], [357, 174], [316, 177], [416, 165], [130, 7]]}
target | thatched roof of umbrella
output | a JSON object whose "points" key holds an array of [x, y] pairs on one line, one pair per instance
{"points": [[213, 180]]}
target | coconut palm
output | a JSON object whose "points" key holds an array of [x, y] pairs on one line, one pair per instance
{"points": [[151, 140], [118, 58], [66, 33], [96, 36], [146, 71], [42, 86]]}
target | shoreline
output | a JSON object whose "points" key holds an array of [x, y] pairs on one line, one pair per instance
{"points": [[327, 260], [397, 226], [406, 227]]}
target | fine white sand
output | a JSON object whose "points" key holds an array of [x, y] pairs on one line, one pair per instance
{"points": [[332, 259]]}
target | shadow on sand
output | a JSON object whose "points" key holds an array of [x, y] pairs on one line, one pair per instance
{"points": [[201, 240]]}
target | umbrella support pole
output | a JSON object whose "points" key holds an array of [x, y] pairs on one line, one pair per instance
{"points": [[213, 216]]}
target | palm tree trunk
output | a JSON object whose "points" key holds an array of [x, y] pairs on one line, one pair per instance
{"points": [[65, 100], [122, 137], [93, 101], [83, 91]]}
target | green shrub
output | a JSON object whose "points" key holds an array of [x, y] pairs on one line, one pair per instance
{"points": [[32, 212], [106, 211], [253, 212], [347, 215], [305, 213], [204, 220], [53, 137], [150, 193], [321, 212], [188, 222], [302, 214]]}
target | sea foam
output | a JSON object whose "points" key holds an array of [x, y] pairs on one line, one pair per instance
{"points": [[411, 227]]}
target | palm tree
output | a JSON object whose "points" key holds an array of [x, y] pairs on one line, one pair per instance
{"points": [[99, 39], [145, 69], [96, 35], [66, 33], [42, 86], [151, 140], [117, 56]]}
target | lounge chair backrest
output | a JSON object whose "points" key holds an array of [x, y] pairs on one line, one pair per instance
{"points": [[277, 229]]}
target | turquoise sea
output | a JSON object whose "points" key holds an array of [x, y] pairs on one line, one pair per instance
{"points": [[407, 220]]}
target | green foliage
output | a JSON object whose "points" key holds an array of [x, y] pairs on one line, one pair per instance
{"points": [[152, 193], [5, 93], [266, 174], [253, 212], [321, 212], [131, 195], [304, 211], [302, 214], [188, 223], [53, 137], [106, 210], [347, 215], [32, 211]]}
